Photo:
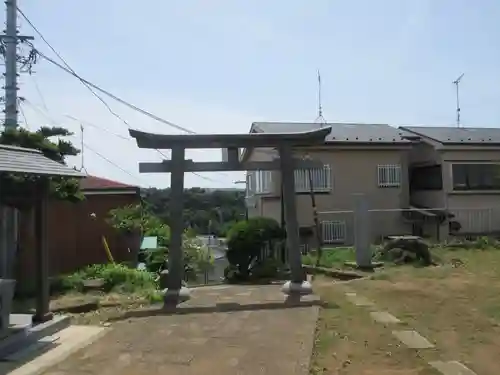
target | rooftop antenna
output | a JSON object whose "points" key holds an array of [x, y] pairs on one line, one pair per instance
{"points": [[82, 167], [457, 83], [320, 117]]}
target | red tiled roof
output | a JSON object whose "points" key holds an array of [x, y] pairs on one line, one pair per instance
{"points": [[99, 183]]}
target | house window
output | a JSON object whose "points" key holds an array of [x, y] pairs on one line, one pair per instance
{"points": [[262, 181], [476, 176], [389, 175], [426, 178], [321, 179], [333, 231]]}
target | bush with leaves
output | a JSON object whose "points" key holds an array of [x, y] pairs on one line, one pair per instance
{"points": [[247, 240], [116, 277], [138, 218]]}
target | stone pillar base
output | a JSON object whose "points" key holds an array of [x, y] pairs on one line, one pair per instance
{"points": [[292, 288], [173, 297], [42, 318]]}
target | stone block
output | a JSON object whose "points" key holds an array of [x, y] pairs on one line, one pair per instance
{"points": [[451, 368], [413, 339]]}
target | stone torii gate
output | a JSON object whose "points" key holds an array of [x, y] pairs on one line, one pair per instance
{"points": [[231, 143]]}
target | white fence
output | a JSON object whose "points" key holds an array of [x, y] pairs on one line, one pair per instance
{"points": [[337, 226]]}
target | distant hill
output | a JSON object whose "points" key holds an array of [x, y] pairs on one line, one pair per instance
{"points": [[208, 211]]}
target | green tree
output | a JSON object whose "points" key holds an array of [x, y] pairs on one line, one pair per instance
{"points": [[205, 211], [246, 241]]}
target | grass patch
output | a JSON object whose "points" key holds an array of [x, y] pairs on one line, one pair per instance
{"points": [[331, 257], [123, 288], [116, 277], [348, 342], [455, 305]]}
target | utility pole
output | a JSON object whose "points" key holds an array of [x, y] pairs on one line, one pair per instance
{"points": [[9, 215], [11, 39], [457, 83]]}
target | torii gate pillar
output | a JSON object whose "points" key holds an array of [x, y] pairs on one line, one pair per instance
{"points": [[297, 284], [177, 166]]}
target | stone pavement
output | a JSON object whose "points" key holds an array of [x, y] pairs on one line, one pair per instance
{"points": [[224, 330]]}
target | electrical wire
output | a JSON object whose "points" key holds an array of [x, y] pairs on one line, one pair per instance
{"points": [[114, 97], [90, 86], [53, 122], [111, 162], [39, 111], [108, 107], [23, 114], [86, 123], [132, 106], [37, 88]]}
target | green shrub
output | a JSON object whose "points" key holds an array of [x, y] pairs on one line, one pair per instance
{"points": [[66, 283], [266, 269], [116, 277], [247, 239], [232, 275]]}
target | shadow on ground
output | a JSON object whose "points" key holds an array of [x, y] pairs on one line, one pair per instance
{"points": [[290, 302]]}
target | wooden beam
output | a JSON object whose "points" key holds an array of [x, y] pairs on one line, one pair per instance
{"points": [[217, 166], [166, 141]]}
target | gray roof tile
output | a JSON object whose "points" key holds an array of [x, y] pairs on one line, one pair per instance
{"points": [[453, 135], [24, 160], [341, 132]]}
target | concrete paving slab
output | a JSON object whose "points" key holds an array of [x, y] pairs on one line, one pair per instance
{"points": [[384, 317], [452, 368], [358, 300], [70, 340], [243, 340], [413, 339]]}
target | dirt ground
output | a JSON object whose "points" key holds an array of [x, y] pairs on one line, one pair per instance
{"points": [[456, 306], [90, 308]]}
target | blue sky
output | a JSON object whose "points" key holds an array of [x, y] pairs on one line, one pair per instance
{"points": [[218, 65]]}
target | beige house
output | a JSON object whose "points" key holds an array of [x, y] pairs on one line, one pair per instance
{"points": [[457, 169], [358, 158], [429, 181]]}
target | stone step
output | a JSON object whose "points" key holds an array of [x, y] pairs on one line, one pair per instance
{"points": [[26, 335], [34, 348]]}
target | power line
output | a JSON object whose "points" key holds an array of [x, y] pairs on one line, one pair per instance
{"points": [[112, 96], [23, 114], [86, 123], [111, 133], [53, 122], [68, 66], [90, 86], [111, 162], [42, 99]]}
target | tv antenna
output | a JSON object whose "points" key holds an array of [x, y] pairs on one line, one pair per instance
{"points": [[82, 167], [320, 117], [457, 85]]}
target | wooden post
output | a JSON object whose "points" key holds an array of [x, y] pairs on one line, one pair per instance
{"points": [[41, 254], [175, 292]]}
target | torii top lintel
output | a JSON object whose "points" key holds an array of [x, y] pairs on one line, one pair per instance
{"points": [[254, 140]]}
